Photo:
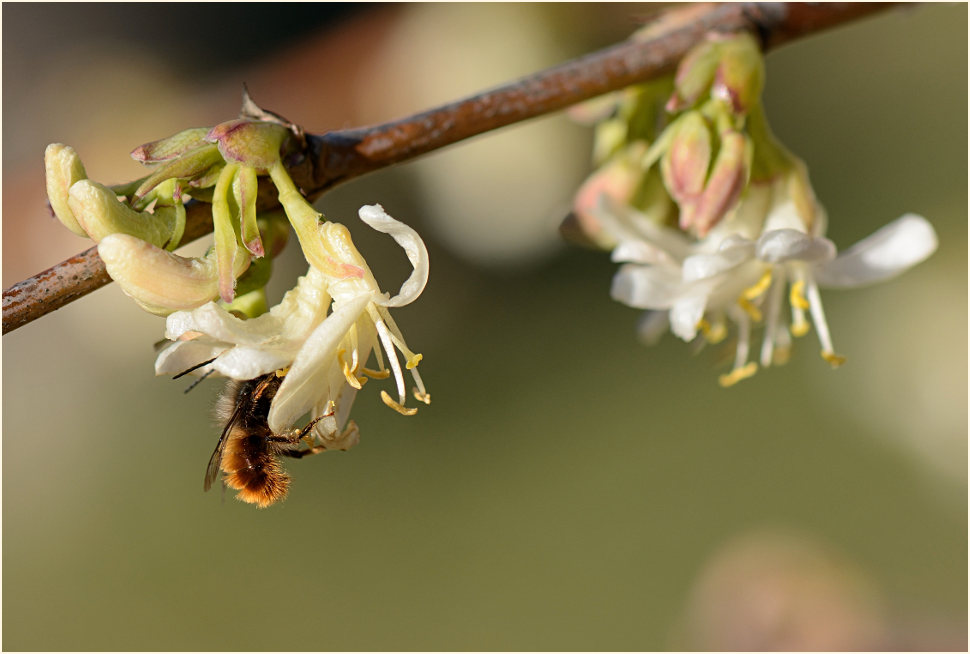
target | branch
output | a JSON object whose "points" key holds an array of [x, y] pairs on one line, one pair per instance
{"points": [[338, 156]]}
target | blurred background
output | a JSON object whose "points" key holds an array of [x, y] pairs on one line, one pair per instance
{"points": [[568, 488]]}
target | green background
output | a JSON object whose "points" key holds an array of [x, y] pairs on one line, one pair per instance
{"points": [[568, 487]]}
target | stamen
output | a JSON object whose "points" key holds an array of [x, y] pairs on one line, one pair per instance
{"points": [[758, 289], [713, 334], [736, 375], [821, 326], [404, 411], [414, 361], [376, 374], [391, 358], [348, 373], [282, 371], [834, 359], [750, 308], [771, 328], [796, 297], [421, 397], [419, 384]]}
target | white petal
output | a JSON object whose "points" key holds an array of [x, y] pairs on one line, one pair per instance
{"points": [[782, 245], [899, 245], [733, 253], [646, 287], [685, 315], [315, 365], [179, 357], [626, 224], [243, 362], [217, 323], [375, 216]]}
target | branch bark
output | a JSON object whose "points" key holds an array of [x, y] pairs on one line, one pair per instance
{"points": [[337, 156]]}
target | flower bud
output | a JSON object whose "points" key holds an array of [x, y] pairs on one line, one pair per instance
{"points": [[248, 142], [723, 189], [171, 147], [159, 281], [740, 74], [99, 213], [63, 168], [684, 165], [694, 74]]}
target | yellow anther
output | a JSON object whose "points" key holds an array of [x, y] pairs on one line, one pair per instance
{"points": [[376, 374], [800, 328], [712, 333], [414, 361], [403, 410], [349, 375], [422, 397], [750, 308], [758, 289], [835, 360], [736, 375], [282, 371], [797, 295]]}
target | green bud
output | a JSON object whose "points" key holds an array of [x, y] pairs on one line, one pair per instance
{"points": [[740, 75], [695, 73], [99, 213], [171, 147], [251, 143], [189, 166]]}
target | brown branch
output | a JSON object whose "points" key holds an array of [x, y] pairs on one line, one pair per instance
{"points": [[338, 156]]}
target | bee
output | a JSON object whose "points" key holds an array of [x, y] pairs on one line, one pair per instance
{"points": [[248, 450]]}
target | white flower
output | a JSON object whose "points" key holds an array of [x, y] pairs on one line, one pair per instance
{"points": [[324, 355], [741, 271]]}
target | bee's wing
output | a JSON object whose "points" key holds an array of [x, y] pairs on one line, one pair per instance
{"points": [[212, 470]]}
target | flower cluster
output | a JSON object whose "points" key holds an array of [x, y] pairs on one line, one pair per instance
{"points": [[322, 334], [714, 221]]}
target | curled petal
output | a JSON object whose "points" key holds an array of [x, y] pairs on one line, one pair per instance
{"points": [[783, 245], [64, 169], [899, 245], [100, 213], [160, 281], [375, 216]]}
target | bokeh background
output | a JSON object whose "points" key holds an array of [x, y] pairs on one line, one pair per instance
{"points": [[568, 488]]}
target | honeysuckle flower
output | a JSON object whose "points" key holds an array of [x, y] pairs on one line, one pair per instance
{"points": [[700, 287], [325, 356]]}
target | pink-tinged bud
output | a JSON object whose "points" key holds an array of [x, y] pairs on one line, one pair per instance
{"points": [[161, 282], [723, 190], [251, 143], [695, 74], [63, 169], [740, 74], [617, 180], [170, 147], [99, 213], [684, 165], [244, 188]]}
